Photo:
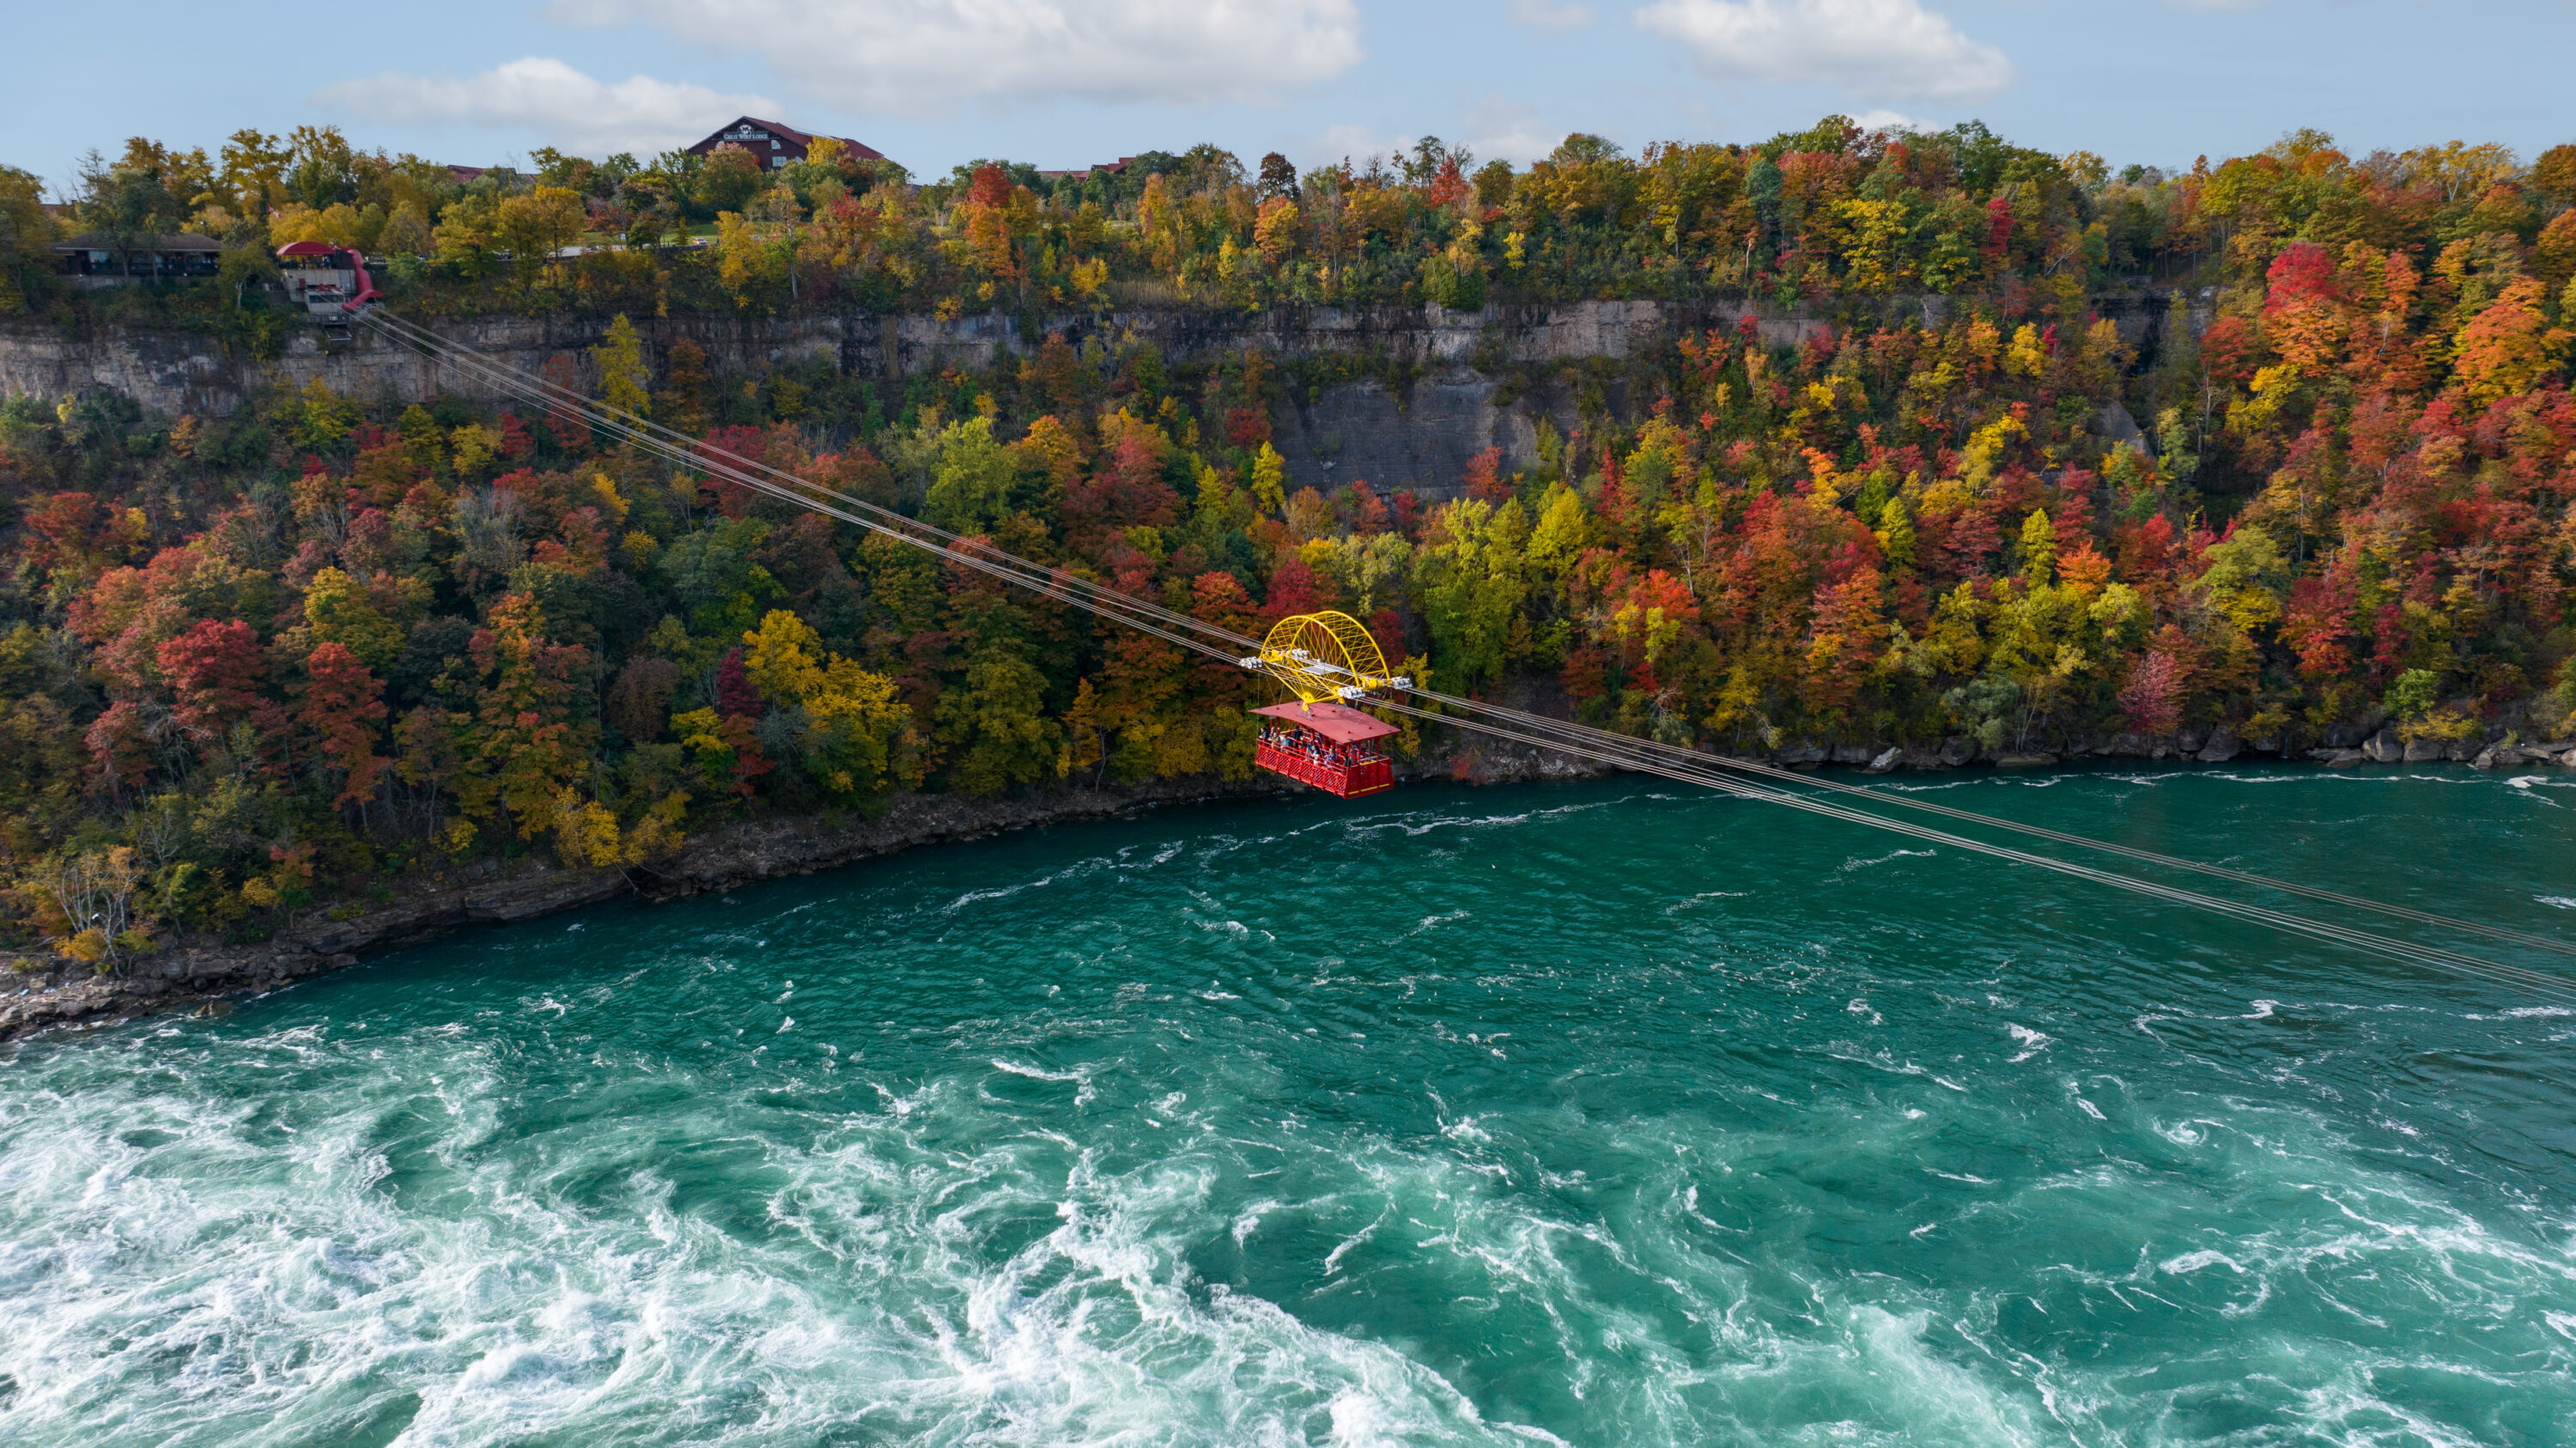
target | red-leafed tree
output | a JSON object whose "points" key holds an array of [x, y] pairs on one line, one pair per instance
{"points": [[2317, 625], [1999, 233], [1126, 488], [2151, 700], [735, 697], [1448, 184], [1296, 588], [2231, 349], [344, 709], [117, 747], [1844, 641], [215, 672], [517, 447], [1219, 599], [1658, 611], [77, 530], [2303, 314], [988, 222]]}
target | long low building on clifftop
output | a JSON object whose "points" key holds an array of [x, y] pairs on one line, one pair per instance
{"points": [[98, 259]]}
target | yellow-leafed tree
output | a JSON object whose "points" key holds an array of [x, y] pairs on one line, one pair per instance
{"points": [[858, 738]]}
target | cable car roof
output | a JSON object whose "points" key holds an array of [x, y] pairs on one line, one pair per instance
{"points": [[1338, 722]]}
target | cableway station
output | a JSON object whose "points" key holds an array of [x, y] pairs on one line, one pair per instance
{"points": [[330, 283]]}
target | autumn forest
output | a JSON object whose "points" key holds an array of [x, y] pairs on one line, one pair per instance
{"points": [[267, 662]]}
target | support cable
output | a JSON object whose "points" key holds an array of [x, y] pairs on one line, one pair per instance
{"points": [[751, 472], [2143, 856], [2403, 951]]}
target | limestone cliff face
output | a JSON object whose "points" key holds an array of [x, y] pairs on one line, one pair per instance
{"points": [[1422, 439]]}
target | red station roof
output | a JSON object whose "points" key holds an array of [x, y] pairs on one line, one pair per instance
{"points": [[1337, 722]]}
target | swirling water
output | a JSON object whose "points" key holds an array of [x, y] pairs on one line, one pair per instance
{"points": [[1590, 1114]]}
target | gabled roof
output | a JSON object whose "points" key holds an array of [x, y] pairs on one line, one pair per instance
{"points": [[802, 138]]}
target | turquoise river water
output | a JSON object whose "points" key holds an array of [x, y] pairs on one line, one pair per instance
{"points": [[1597, 1114]]}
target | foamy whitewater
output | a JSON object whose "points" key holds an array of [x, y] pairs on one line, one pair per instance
{"points": [[1588, 1114]]}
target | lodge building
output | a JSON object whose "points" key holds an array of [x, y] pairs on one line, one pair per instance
{"points": [[774, 145]]}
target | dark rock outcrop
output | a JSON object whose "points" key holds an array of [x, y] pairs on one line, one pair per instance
{"points": [[1447, 384]]}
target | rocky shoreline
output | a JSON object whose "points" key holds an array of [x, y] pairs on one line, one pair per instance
{"points": [[47, 993], [52, 994], [2217, 746]]}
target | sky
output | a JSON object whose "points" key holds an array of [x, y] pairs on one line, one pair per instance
{"points": [[1064, 83]]}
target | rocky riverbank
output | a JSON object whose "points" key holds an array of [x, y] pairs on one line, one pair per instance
{"points": [[45, 993], [2217, 746], [2500, 743], [41, 993]]}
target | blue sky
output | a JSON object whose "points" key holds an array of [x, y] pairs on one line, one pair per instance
{"points": [[1066, 82]]}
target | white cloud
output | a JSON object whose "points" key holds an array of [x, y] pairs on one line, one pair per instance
{"points": [[1494, 128], [1536, 13], [572, 111], [1883, 119], [888, 55], [1357, 144], [1874, 49], [1507, 130]]}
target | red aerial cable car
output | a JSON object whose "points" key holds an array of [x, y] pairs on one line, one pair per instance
{"points": [[1330, 746], [1331, 662]]}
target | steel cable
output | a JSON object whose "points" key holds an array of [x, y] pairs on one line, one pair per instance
{"points": [[690, 452], [1063, 586], [2404, 951], [1755, 767]]}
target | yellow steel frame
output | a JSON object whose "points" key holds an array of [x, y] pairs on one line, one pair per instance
{"points": [[1323, 657]]}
